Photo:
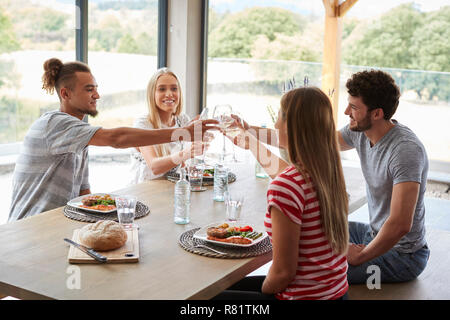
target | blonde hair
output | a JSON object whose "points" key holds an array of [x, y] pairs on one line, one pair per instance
{"points": [[153, 114], [313, 149]]}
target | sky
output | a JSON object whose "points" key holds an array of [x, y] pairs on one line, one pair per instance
{"points": [[362, 9]]}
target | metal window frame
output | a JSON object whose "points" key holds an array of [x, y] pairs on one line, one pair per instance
{"points": [[81, 30], [204, 56], [163, 25]]}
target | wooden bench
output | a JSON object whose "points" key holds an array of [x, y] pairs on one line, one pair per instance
{"points": [[432, 284]]}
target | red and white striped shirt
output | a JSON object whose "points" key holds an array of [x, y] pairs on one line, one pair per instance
{"points": [[321, 274]]}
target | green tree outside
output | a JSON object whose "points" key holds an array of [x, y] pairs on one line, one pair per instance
{"points": [[8, 39], [235, 35]]}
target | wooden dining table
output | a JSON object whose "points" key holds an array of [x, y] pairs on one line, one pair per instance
{"points": [[34, 258]]}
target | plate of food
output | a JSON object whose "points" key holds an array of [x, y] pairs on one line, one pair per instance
{"points": [[208, 176], [231, 234], [95, 202]]}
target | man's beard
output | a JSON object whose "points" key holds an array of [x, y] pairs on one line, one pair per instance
{"points": [[87, 111], [363, 125], [92, 113]]}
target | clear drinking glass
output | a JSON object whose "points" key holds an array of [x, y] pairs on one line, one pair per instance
{"points": [[195, 168], [233, 201], [220, 182], [126, 210]]}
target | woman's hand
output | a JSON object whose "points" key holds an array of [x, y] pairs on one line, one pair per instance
{"points": [[242, 140], [197, 148], [240, 123]]}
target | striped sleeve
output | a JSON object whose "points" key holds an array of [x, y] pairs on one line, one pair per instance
{"points": [[286, 194]]}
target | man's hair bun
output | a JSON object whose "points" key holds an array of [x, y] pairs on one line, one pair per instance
{"points": [[52, 68]]}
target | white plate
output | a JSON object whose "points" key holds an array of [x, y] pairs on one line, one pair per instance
{"points": [[78, 204], [201, 234]]}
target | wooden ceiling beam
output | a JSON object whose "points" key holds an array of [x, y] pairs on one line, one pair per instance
{"points": [[334, 9], [332, 48], [345, 6], [331, 7]]}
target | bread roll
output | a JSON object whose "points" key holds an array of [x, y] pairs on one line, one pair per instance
{"points": [[103, 235]]}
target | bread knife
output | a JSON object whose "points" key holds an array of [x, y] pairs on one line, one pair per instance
{"points": [[91, 252]]}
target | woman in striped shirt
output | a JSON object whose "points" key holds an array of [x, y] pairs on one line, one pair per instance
{"points": [[307, 205]]}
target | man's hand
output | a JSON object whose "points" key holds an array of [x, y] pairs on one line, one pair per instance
{"points": [[197, 128], [354, 253]]}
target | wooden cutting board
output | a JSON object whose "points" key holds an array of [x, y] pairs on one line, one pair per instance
{"points": [[129, 252]]}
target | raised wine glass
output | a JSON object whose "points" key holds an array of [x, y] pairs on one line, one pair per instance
{"points": [[234, 130], [222, 113]]}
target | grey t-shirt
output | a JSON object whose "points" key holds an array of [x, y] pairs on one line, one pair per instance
{"points": [[397, 157], [52, 167]]}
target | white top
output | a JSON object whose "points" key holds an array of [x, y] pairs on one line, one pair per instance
{"points": [[140, 171]]}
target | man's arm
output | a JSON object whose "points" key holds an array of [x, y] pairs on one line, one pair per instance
{"points": [[403, 205], [342, 144], [125, 137]]}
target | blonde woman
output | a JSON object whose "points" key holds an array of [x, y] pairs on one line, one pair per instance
{"points": [[165, 110], [307, 206]]}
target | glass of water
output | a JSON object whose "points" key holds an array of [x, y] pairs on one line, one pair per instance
{"points": [[195, 168], [233, 201], [220, 182], [126, 208]]}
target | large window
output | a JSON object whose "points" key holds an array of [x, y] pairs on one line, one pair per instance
{"points": [[253, 49], [122, 45], [30, 33], [409, 40], [122, 53]]}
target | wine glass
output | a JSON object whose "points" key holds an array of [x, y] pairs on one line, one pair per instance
{"points": [[204, 114], [207, 136], [222, 113], [234, 130]]}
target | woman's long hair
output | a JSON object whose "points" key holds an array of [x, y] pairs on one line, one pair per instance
{"points": [[153, 114], [313, 149]]}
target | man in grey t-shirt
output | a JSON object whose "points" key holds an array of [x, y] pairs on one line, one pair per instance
{"points": [[395, 166], [52, 167]]}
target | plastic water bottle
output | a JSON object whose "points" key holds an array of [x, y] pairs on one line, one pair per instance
{"points": [[182, 199], [220, 182]]}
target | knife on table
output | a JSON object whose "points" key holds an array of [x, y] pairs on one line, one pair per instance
{"points": [[91, 252]]}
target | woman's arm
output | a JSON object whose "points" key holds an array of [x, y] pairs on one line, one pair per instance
{"points": [[265, 135], [285, 242], [270, 162], [160, 165]]}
